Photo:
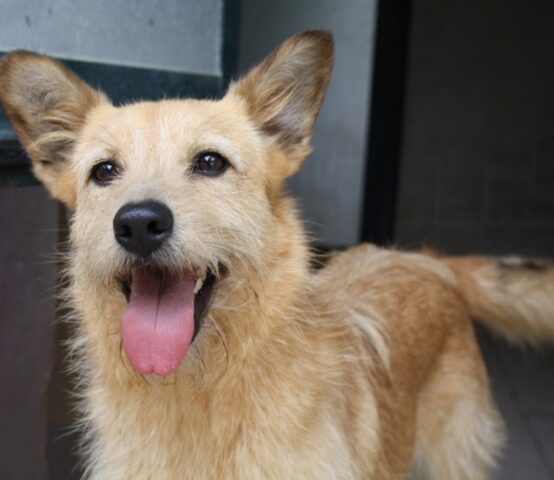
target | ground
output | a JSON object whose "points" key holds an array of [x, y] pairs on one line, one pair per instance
{"points": [[523, 386]]}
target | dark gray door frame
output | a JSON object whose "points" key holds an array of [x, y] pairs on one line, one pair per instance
{"points": [[386, 121]]}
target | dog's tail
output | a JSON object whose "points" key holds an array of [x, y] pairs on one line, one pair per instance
{"points": [[512, 295]]}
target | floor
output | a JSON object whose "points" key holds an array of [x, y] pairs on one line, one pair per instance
{"points": [[523, 386]]}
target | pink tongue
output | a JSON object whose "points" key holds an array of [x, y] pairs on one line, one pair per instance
{"points": [[158, 325]]}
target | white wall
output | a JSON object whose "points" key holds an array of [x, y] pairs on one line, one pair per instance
{"points": [[331, 181], [181, 35]]}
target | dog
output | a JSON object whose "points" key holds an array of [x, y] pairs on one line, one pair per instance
{"points": [[207, 345]]}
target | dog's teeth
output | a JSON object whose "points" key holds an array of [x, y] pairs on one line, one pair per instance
{"points": [[198, 285]]}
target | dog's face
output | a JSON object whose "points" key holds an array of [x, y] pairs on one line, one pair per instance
{"points": [[174, 201]]}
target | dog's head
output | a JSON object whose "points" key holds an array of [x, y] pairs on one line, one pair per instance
{"points": [[172, 200]]}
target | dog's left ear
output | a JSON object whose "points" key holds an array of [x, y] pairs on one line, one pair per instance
{"points": [[283, 94]]}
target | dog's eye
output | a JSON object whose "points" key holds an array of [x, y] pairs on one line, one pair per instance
{"points": [[104, 173], [210, 164]]}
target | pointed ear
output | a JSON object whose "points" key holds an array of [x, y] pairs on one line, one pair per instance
{"points": [[283, 94], [47, 105]]}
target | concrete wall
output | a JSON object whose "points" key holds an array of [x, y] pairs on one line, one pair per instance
{"points": [[331, 182], [182, 35]]}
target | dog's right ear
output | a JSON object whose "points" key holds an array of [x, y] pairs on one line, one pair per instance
{"points": [[47, 105]]}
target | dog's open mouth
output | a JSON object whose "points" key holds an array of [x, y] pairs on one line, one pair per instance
{"points": [[163, 316]]}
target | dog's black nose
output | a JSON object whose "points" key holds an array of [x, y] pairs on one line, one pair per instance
{"points": [[142, 228]]}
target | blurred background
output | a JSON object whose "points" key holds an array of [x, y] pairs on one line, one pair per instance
{"points": [[437, 131]]}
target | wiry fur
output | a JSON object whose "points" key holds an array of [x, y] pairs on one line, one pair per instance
{"points": [[364, 368]]}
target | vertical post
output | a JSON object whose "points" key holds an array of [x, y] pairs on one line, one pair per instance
{"points": [[386, 118]]}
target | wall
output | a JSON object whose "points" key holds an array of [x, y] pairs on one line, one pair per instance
{"points": [[162, 34], [331, 181], [27, 288], [478, 149]]}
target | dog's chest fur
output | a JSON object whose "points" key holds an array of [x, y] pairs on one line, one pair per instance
{"points": [[267, 420]]}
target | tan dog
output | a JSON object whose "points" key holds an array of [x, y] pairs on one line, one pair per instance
{"points": [[207, 346]]}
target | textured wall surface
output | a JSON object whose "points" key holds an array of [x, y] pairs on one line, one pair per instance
{"points": [[182, 35], [331, 181], [478, 155]]}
